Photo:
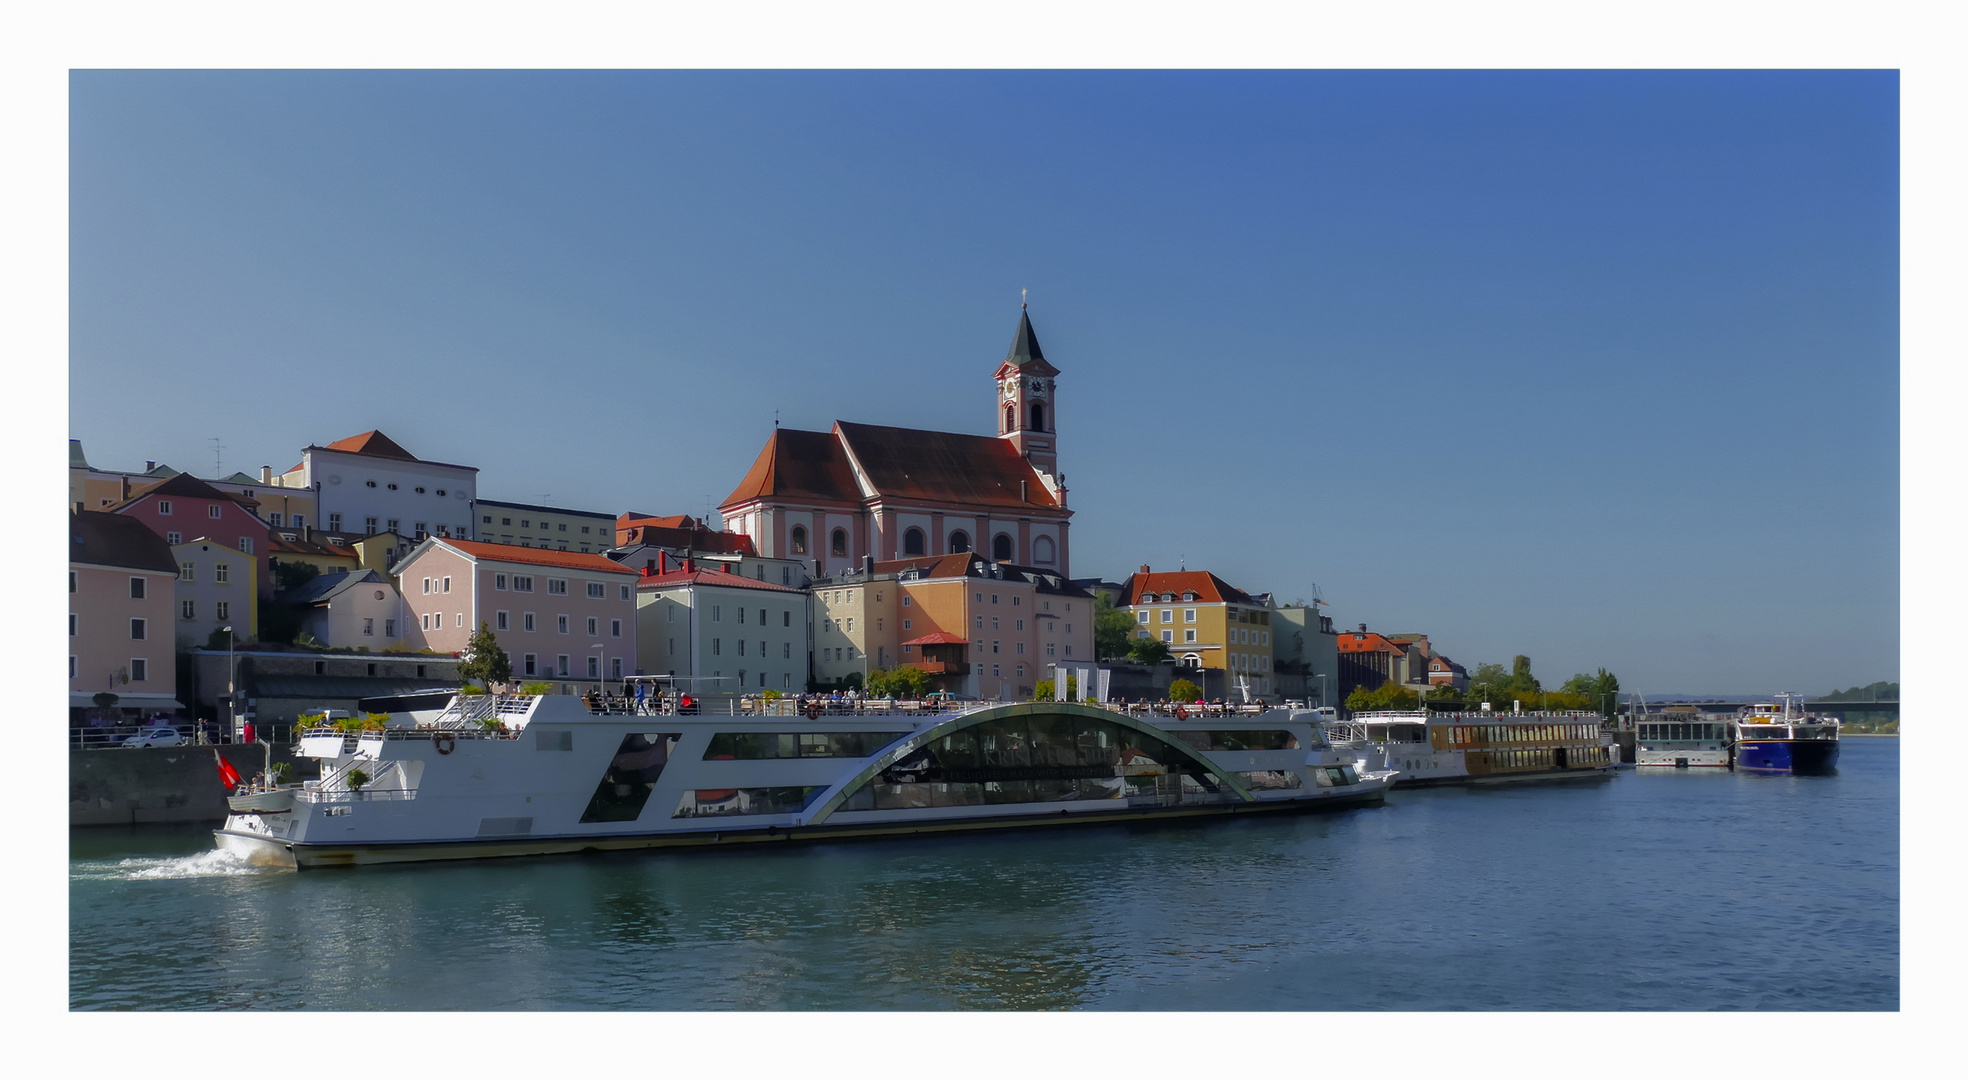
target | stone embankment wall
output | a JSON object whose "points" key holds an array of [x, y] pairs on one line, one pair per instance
{"points": [[161, 784]]}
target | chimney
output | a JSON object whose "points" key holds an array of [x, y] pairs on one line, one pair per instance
{"points": [[1144, 568], [868, 565], [1363, 628], [149, 465], [662, 562], [126, 487], [1022, 497], [266, 474], [690, 566]]}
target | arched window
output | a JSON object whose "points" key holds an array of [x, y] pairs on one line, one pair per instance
{"points": [[1011, 417], [912, 542], [799, 539], [840, 542], [1038, 417], [1001, 548], [1042, 551], [959, 542]]}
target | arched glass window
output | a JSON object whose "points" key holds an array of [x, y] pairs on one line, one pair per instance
{"points": [[1042, 551], [912, 542], [959, 542], [840, 542], [1038, 417], [1011, 417], [799, 539], [1001, 548]]}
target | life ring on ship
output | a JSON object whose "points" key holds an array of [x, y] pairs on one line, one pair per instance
{"points": [[1181, 713], [444, 741], [813, 710]]}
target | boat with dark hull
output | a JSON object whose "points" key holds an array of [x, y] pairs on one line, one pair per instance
{"points": [[528, 775], [1775, 738]]}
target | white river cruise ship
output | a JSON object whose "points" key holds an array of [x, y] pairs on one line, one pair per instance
{"points": [[1478, 747], [524, 775]]}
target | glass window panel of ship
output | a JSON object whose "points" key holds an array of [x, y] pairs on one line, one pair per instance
{"points": [[742, 802], [1016, 760], [631, 775], [754, 746]]}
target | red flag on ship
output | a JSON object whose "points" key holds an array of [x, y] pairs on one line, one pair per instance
{"points": [[228, 775]]}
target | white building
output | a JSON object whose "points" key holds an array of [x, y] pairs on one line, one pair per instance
{"points": [[729, 634], [347, 609], [368, 484], [550, 527]]}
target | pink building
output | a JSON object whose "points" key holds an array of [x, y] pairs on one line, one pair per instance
{"points": [[121, 600], [563, 616], [186, 508]]}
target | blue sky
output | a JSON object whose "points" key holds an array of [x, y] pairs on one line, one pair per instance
{"points": [[1598, 367]]}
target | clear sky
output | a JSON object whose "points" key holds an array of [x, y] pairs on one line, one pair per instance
{"points": [[1598, 367]]}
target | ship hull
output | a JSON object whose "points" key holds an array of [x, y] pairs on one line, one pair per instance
{"points": [[270, 851], [1801, 757]]}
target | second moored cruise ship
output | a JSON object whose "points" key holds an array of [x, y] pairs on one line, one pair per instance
{"points": [[524, 775]]}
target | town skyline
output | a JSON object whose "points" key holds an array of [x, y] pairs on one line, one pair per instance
{"points": [[1504, 408]]}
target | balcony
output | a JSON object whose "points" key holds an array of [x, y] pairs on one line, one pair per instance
{"points": [[942, 667]]}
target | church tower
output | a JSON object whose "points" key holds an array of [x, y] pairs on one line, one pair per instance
{"points": [[1026, 402]]}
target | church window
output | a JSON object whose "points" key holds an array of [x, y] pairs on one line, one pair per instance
{"points": [[1011, 418], [840, 541], [1001, 548], [1042, 551], [1038, 417], [799, 540], [913, 543], [959, 542]]}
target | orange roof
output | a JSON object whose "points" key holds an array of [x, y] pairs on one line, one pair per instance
{"points": [[935, 566], [673, 521], [941, 637], [697, 539], [1209, 588], [373, 443], [511, 553]]}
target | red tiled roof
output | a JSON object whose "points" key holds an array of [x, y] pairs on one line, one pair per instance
{"points": [[1209, 588], [801, 465], [942, 466], [673, 521], [706, 540], [707, 577], [511, 553], [106, 539], [939, 638], [187, 486], [373, 443], [1353, 641], [310, 547]]}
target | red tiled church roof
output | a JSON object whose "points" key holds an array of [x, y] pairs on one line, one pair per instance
{"points": [[800, 465]]}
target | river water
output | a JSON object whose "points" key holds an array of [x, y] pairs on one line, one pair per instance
{"points": [[1701, 890]]}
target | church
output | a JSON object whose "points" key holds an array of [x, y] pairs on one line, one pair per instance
{"points": [[860, 491]]}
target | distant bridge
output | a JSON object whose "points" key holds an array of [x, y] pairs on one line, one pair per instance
{"points": [[1839, 709]]}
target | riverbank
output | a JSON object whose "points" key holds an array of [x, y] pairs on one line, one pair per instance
{"points": [[161, 785]]}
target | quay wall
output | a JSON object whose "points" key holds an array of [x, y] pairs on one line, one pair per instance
{"points": [[161, 784]]}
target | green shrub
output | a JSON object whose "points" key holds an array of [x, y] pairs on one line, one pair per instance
{"points": [[1184, 690], [357, 778]]}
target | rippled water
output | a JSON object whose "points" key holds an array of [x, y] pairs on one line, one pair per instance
{"points": [[1696, 890]]}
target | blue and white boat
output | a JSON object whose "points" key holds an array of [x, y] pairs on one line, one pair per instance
{"points": [[1772, 737]]}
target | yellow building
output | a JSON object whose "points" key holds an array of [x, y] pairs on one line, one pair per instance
{"points": [[1205, 622]]}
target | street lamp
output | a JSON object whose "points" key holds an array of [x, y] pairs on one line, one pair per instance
{"points": [[1321, 676], [232, 682]]}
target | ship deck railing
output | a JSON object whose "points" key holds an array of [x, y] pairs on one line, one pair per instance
{"points": [[309, 793]]}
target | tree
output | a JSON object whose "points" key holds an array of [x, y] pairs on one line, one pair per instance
{"points": [[1111, 629], [1390, 696], [287, 575], [484, 660], [1521, 679], [1184, 690], [1148, 651], [1045, 688], [105, 701]]}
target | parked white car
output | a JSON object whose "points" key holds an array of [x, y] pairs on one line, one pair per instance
{"points": [[157, 736]]}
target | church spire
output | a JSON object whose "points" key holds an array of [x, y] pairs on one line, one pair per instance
{"points": [[1024, 343]]}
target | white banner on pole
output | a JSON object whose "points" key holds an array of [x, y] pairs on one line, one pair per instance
{"points": [[1106, 679], [1058, 683], [1086, 684]]}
